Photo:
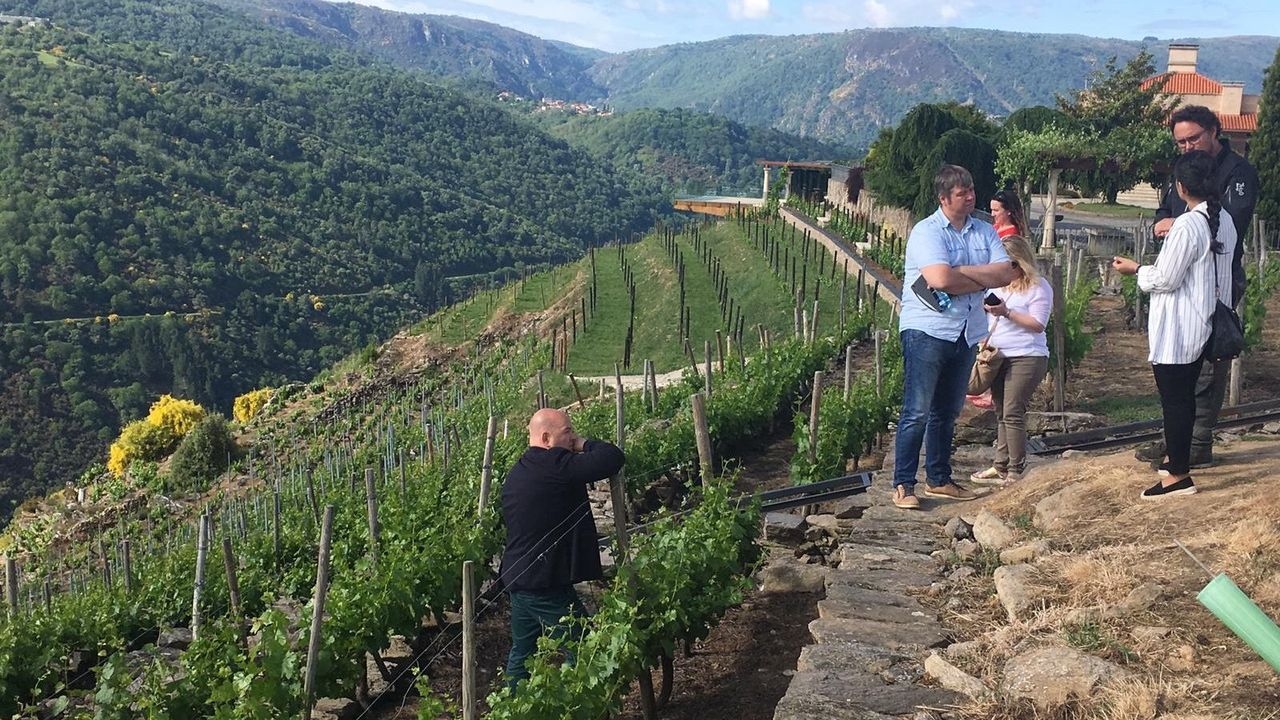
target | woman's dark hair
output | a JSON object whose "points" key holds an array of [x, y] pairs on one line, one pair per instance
{"points": [[1010, 202], [1197, 171]]}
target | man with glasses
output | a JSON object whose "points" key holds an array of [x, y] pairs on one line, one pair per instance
{"points": [[1196, 127]]}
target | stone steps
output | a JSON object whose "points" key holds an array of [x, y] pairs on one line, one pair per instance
{"points": [[872, 636]]}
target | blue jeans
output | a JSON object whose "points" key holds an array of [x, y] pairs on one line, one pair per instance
{"points": [[535, 613], [935, 375]]}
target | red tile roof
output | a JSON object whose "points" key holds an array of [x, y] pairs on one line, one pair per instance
{"points": [[1182, 83], [1239, 123]]}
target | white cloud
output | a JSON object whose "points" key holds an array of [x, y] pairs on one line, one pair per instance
{"points": [[830, 14], [748, 9], [878, 14]]}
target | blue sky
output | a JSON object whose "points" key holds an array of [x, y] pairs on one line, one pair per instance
{"points": [[618, 25]]}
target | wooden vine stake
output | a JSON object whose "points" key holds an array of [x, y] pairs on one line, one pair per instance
{"points": [[486, 467], [1059, 340], [11, 584], [371, 499], [618, 494], [233, 582], [468, 640], [202, 552], [317, 613], [703, 436]]}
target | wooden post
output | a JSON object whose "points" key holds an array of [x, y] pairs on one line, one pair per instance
{"points": [[574, 381], [814, 405], [848, 372], [720, 351], [486, 468], [703, 436], [233, 583], [275, 525], [618, 495], [371, 500], [317, 613], [468, 641], [126, 563], [11, 584], [707, 351], [1138, 322], [202, 551], [1059, 340], [813, 324]]}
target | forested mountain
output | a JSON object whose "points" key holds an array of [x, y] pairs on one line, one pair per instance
{"points": [[840, 87], [845, 86], [695, 152], [476, 52], [271, 202]]}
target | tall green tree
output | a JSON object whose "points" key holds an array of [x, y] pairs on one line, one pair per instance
{"points": [[1114, 105], [1264, 150]]}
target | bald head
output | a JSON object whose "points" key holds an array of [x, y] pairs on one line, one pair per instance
{"points": [[551, 428]]}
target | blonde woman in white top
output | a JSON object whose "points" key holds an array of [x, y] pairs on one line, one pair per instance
{"points": [[1184, 289], [1017, 325]]}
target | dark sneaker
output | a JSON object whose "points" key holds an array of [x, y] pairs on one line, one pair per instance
{"points": [[1151, 452], [905, 497], [951, 491], [1185, 486]]}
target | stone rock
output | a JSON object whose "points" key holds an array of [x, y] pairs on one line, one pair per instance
{"points": [[335, 709], [1016, 588], [874, 577], [966, 549], [1150, 633], [814, 534], [892, 635], [969, 435], [971, 416], [1140, 598], [1049, 423], [1050, 676], [885, 556], [953, 678], [1272, 428], [964, 572], [962, 649], [991, 532], [1024, 553], [789, 577], [1052, 512], [826, 522], [846, 601], [783, 526], [850, 508], [178, 638], [1228, 438], [1085, 615], [1068, 454], [808, 548], [957, 529]]}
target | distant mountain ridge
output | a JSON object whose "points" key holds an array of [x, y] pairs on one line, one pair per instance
{"points": [[838, 87], [470, 50]]}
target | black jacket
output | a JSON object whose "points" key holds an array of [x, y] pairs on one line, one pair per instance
{"points": [[551, 535], [1239, 183]]}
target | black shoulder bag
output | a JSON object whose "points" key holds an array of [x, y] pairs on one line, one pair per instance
{"points": [[1226, 336]]}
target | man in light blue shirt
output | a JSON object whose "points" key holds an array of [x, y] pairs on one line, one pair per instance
{"points": [[960, 256]]}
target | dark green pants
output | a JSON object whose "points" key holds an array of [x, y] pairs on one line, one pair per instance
{"points": [[532, 614]]}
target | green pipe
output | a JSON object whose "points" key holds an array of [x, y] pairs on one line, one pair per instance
{"points": [[1230, 605]]}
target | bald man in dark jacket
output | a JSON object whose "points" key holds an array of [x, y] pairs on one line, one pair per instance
{"points": [[551, 534]]}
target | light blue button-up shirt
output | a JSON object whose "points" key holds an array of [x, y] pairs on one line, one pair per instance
{"points": [[934, 241]]}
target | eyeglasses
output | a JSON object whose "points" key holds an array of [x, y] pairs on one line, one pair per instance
{"points": [[1189, 141]]}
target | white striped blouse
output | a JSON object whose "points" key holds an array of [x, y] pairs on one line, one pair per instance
{"points": [[1181, 285]]}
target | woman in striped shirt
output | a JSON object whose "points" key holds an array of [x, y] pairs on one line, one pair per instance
{"points": [[1184, 288]]}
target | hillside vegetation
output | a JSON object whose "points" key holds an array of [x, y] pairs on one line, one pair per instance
{"points": [[270, 202], [694, 152]]}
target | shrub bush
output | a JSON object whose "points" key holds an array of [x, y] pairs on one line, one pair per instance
{"points": [[202, 455], [177, 416], [248, 405], [140, 440]]}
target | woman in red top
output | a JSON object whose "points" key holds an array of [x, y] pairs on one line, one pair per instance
{"points": [[1006, 214]]}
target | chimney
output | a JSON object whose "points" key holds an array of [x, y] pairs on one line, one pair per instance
{"points": [[1232, 98], [1182, 58]]}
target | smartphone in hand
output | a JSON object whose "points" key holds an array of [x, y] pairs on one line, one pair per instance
{"points": [[991, 299]]}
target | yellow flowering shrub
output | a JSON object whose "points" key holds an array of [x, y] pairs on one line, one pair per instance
{"points": [[248, 405], [175, 415], [140, 440]]}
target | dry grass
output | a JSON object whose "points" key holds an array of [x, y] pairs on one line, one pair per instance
{"points": [[1107, 544]]}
